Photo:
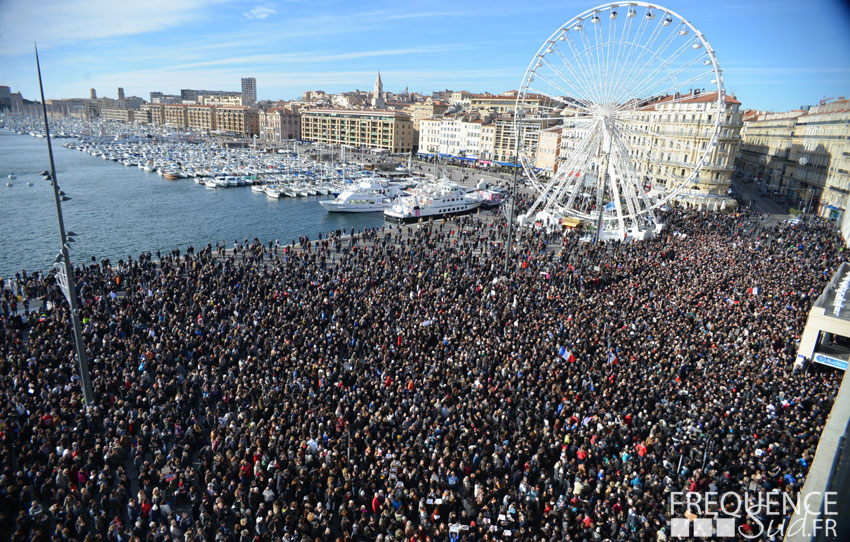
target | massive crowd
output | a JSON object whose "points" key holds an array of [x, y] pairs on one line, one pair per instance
{"points": [[394, 385]]}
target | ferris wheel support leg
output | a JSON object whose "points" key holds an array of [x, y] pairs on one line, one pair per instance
{"points": [[603, 179]]}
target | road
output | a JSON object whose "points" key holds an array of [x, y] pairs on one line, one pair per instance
{"points": [[750, 194]]}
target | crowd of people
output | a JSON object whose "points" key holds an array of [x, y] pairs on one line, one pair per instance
{"points": [[395, 384]]}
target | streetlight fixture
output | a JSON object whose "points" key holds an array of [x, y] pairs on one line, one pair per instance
{"points": [[66, 277]]}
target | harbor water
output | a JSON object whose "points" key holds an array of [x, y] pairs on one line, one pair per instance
{"points": [[119, 211]]}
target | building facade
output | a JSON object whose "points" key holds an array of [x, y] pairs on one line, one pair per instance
{"points": [[429, 135], [388, 130], [673, 133], [237, 120], [234, 120], [176, 115], [154, 114], [766, 147], [68, 108], [249, 91], [160, 98], [117, 114], [456, 137], [505, 104], [426, 110], [802, 156], [505, 138], [817, 174], [279, 125], [201, 118], [421, 111], [231, 98], [142, 116], [548, 144], [460, 98], [315, 97]]}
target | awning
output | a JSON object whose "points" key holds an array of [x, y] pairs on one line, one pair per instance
{"points": [[441, 155], [833, 208], [465, 159], [505, 164], [428, 154]]}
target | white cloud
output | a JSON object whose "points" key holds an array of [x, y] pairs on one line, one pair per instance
{"points": [[312, 57], [55, 22], [259, 12]]}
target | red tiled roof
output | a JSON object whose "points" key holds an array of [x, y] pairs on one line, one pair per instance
{"points": [[704, 97], [360, 111]]}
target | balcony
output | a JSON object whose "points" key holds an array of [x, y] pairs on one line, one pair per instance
{"points": [[719, 167]]}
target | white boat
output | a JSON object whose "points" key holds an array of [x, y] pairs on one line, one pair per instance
{"points": [[258, 188], [272, 192], [435, 201], [13, 176], [366, 197], [211, 183], [488, 198]]}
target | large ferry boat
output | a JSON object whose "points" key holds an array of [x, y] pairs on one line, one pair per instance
{"points": [[432, 201], [366, 197]]}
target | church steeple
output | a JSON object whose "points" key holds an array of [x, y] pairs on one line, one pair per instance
{"points": [[378, 93]]}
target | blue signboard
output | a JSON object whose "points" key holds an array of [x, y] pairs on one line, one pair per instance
{"points": [[832, 362]]}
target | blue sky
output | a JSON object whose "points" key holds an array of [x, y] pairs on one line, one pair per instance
{"points": [[775, 54]]}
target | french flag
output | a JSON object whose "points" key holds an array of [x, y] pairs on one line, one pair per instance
{"points": [[612, 358], [566, 354]]}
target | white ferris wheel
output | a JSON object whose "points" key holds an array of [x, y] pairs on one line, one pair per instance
{"points": [[627, 100]]}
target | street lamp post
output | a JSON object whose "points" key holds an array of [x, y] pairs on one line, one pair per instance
{"points": [[809, 203], [511, 218], [70, 292], [513, 200]]}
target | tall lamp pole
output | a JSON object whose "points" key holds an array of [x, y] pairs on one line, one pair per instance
{"points": [[513, 200], [70, 292]]}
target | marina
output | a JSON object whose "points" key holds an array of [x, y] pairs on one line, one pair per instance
{"points": [[175, 193], [119, 210]]}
